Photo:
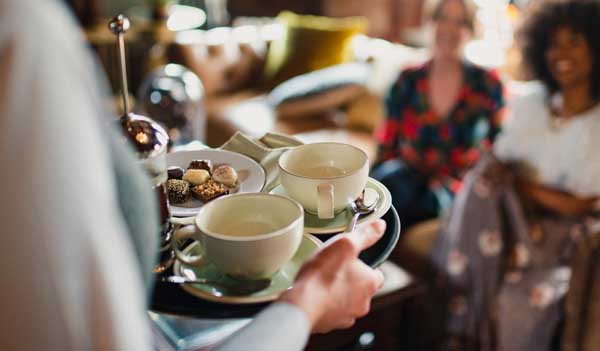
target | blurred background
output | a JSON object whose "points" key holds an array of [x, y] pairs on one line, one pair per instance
{"points": [[235, 54]]}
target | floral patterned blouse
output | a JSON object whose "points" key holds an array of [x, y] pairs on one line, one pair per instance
{"points": [[441, 147]]}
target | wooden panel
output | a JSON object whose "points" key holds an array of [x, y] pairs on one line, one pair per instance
{"points": [[88, 12], [376, 11], [271, 8]]}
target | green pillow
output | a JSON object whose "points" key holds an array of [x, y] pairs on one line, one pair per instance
{"points": [[310, 43]]}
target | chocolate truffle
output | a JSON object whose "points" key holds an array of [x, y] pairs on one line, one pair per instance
{"points": [[196, 176], [178, 190], [201, 164], [175, 172], [209, 190], [225, 175]]}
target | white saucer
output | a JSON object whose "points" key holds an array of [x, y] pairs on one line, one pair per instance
{"points": [[315, 225], [251, 174]]}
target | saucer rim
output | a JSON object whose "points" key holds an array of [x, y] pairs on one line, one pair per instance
{"points": [[237, 300], [378, 213]]}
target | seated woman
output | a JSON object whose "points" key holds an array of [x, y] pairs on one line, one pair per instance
{"points": [[505, 250], [441, 115]]}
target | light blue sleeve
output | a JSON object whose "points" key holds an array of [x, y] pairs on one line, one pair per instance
{"points": [[281, 326], [75, 282]]}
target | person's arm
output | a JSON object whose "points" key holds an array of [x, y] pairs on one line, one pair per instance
{"points": [[536, 195], [71, 279], [559, 202], [331, 291]]}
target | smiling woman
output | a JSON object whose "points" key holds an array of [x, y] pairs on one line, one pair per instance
{"points": [[553, 131], [548, 146], [557, 37], [441, 116]]}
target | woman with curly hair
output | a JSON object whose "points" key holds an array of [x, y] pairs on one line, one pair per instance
{"points": [[554, 131], [504, 252]]}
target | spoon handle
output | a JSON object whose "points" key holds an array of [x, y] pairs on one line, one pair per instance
{"points": [[221, 288], [352, 224], [181, 280]]}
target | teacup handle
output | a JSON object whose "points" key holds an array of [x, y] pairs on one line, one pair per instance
{"points": [[182, 234], [325, 203]]}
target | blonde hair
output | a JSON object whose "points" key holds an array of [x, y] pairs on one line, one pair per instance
{"points": [[432, 10]]}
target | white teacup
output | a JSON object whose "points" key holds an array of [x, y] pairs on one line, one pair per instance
{"points": [[324, 177], [247, 236]]}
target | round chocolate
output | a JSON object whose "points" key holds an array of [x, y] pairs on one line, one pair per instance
{"points": [[178, 190]]}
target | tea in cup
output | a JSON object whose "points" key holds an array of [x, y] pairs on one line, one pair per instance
{"points": [[247, 236], [324, 177]]}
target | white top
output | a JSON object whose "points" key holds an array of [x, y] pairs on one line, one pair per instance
{"points": [[70, 276], [563, 155]]}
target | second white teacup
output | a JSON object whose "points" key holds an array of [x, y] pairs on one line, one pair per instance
{"points": [[324, 177], [247, 236]]}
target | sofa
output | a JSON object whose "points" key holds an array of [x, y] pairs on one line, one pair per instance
{"points": [[230, 62]]}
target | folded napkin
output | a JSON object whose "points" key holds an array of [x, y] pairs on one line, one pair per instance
{"points": [[265, 150]]}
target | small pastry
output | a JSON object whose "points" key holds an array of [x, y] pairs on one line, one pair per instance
{"points": [[175, 172], [225, 175], [196, 176], [178, 191], [209, 191], [201, 164]]}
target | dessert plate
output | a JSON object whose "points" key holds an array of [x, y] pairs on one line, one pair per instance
{"points": [[315, 225], [280, 282], [251, 176]]}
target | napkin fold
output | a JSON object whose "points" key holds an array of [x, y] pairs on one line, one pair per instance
{"points": [[265, 150]]}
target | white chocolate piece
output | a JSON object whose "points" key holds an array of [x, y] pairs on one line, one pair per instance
{"points": [[225, 175], [196, 176]]}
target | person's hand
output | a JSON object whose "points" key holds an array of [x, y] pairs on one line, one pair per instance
{"points": [[335, 287], [498, 173]]}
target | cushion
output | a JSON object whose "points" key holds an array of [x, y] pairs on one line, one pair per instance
{"points": [[314, 83], [320, 104], [310, 43], [320, 91]]}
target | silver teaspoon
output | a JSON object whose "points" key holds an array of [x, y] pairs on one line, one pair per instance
{"points": [[362, 206], [240, 288]]}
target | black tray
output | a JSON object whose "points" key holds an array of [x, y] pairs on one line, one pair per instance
{"points": [[170, 298]]}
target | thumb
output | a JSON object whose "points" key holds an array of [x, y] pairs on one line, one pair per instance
{"points": [[367, 234]]}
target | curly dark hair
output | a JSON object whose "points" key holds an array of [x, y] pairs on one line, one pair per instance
{"points": [[582, 16]]}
